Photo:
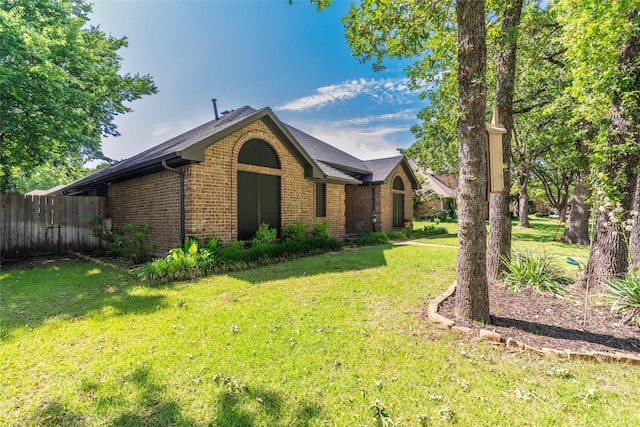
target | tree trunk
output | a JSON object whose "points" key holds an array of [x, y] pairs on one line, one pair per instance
{"points": [[563, 197], [634, 235], [577, 229], [562, 213], [499, 247], [472, 292], [523, 204], [609, 253]]}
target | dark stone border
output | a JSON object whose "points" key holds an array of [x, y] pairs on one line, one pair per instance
{"points": [[495, 338]]}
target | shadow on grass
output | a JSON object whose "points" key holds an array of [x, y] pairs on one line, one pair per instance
{"points": [[151, 409], [241, 405], [235, 405], [55, 414], [349, 259], [66, 289], [542, 230]]}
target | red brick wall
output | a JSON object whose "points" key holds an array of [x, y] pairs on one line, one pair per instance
{"points": [[212, 195], [359, 204], [387, 191], [358, 208], [154, 198]]}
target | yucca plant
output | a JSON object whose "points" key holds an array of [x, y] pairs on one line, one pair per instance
{"points": [[624, 295], [534, 271]]}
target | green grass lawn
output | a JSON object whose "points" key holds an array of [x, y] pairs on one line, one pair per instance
{"points": [[330, 340]]}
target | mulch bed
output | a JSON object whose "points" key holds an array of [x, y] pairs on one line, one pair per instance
{"points": [[540, 320]]}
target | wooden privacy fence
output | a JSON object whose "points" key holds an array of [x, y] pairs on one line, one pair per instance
{"points": [[46, 225]]}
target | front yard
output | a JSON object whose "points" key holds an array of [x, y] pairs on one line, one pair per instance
{"points": [[331, 340]]}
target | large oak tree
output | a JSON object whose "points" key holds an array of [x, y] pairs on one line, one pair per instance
{"points": [[61, 86], [603, 45]]}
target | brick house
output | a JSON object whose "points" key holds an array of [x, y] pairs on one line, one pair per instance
{"points": [[245, 168], [441, 191]]}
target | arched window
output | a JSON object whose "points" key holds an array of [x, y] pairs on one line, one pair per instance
{"points": [[258, 153], [398, 184]]}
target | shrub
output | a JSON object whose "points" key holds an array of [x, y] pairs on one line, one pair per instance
{"points": [[264, 235], [296, 232], [428, 230], [623, 293], [371, 239], [320, 229], [132, 242], [193, 261], [448, 215], [396, 235], [136, 243], [106, 234], [535, 272]]}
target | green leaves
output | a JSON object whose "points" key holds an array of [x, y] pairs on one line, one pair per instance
{"points": [[60, 83]]}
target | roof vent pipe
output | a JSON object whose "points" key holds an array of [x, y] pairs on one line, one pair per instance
{"points": [[215, 107]]}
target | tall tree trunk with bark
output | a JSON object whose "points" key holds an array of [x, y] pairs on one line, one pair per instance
{"points": [[577, 229], [609, 253], [472, 292], [499, 217], [523, 203], [562, 213], [634, 235]]}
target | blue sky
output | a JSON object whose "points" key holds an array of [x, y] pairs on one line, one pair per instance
{"points": [[259, 53]]}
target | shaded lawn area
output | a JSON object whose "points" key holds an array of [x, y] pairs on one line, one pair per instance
{"points": [[538, 239], [326, 340]]}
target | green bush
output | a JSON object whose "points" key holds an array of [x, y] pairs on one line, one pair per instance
{"points": [[296, 232], [132, 242], [100, 230], [264, 235], [371, 239], [396, 235], [535, 272], [623, 293], [136, 242], [320, 229], [428, 230], [193, 261]]}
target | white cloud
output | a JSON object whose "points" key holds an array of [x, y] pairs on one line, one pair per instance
{"points": [[364, 143], [388, 90], [408, 114], [160, 129]]}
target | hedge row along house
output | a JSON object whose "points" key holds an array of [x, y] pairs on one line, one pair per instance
{"points": [[229, 175]]}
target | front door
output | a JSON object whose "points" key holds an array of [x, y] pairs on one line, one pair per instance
{"points": [[398, 210], [258, 202]]}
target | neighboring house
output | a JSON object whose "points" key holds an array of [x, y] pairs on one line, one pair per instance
{"points": [[48, 192], [438, 192], [245, 168]]}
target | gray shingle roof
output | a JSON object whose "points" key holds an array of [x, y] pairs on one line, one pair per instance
{"points": [[331, 161], [326, 153], [381, 168], [171, 148]]}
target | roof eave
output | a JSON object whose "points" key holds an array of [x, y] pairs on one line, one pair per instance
{"points": [[196, 152], [333, 180], [118, 176], [345, 168]]}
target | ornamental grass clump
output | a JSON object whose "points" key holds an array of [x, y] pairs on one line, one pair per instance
{"points": [[534, 271], [623, 293]]}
